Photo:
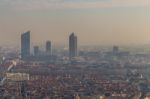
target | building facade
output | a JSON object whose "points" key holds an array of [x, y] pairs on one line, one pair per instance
{"points": [[36, 50], [72, 46], [25, 45], [48, 48]]}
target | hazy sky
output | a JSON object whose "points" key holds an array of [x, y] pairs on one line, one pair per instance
{"points": [[97, 22]]}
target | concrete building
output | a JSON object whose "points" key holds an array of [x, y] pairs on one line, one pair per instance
{"points": [[115, 49], [48, 48], [72, 46], [36, 51]]}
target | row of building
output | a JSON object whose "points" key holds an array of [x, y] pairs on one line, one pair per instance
{"points": [[25, 46]]}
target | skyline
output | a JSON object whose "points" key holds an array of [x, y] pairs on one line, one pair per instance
{"points": [[96, 22]]}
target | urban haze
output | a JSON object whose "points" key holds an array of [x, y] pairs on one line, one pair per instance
{"points": [[96, 22], [74, 49]]}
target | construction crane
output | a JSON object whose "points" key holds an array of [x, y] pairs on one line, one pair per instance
{"points": [[13, 63]]}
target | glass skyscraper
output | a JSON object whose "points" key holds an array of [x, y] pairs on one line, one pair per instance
{"points": [[25, 45]]}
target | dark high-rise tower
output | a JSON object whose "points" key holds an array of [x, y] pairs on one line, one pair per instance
{"points": [[72, 45], [36, 50], [115, 49], [25, 45], [48, 48]]}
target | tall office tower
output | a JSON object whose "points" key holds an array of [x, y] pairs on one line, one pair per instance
{"points": [[25, 45], [115, 49], [36, 50], [48, 48], [72, 45]]}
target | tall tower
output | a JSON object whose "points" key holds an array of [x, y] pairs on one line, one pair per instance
{"points": [[115, 49], [25, 45], [72, 45], [36, 50], [48, 48]]}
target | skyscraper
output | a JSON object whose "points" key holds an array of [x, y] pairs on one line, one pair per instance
{"points": [[25, 45], [48, 48], [36, 50], [115, 49], [72, 45]]}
